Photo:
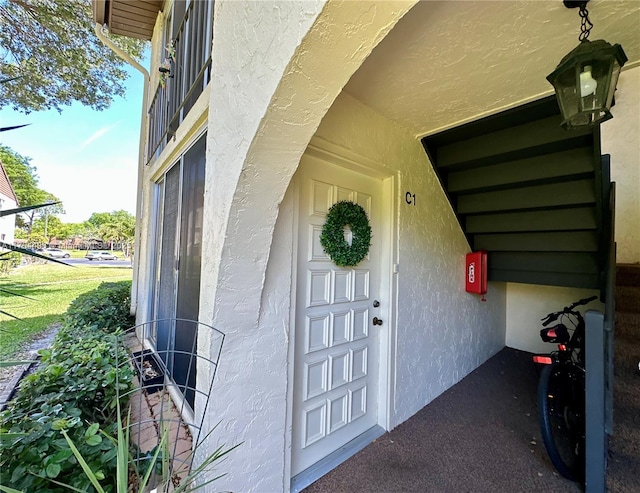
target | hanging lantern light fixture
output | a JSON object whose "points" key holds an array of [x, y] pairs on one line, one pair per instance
{"points": [[585, 79]]}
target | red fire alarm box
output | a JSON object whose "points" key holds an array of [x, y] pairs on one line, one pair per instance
{"points": [[476, 272]]}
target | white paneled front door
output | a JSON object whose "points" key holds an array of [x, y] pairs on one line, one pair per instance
{"points": [[336, 343]]}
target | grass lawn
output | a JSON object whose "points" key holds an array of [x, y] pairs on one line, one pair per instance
{"points": [[51, 288]]}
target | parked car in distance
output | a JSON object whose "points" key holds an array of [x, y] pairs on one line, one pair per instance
{"points": [[98, 255], [54, 252]]}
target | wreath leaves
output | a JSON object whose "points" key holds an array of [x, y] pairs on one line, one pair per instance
{"points": [[341, 214]]}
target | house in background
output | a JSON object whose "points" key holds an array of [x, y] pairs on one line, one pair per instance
{"points": [[260, 115], [8, 200]]}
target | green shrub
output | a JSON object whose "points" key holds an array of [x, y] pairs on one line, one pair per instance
{"points": [[106, 307], [8, 262], [73, 389]]}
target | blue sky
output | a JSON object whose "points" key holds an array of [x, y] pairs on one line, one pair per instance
{"points": [[87, 158]]}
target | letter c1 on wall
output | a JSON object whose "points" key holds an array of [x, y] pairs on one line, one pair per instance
{"points": [[410, 198]]}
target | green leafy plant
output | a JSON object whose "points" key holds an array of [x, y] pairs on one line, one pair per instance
{"points": [[158, 460], [65, 429], [78, 387], [106, 307], [6, 489], [12, 127], [9, 262], [133, 473], [4, 364]]}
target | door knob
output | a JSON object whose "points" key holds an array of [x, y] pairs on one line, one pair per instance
{"points": [[377, 321]]}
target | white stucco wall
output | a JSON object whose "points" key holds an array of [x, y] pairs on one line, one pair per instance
{"points": [[442, 332], [278, 67], [253, 44], [621, 139]]}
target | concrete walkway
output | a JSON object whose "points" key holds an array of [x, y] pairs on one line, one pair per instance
{"points": [[10, 376]]}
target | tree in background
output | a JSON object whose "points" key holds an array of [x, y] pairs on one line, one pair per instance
{"points": [[49, 227], [24, 180], [22, 174], [87, 233], [42, 225], [114, 227], [52, 47], [44, 213]]}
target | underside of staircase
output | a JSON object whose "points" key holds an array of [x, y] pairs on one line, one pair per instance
{"points": [[539, 200], [530, 193]]}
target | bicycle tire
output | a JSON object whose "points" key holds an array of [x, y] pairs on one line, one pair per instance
{"points": [[561, 413]]}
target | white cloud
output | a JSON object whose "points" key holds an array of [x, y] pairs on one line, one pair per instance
{"points": [[97, 134]]}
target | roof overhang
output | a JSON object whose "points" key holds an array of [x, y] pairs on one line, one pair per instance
{"points": [[131, 18]]}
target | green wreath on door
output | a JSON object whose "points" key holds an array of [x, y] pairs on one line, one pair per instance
{"points": [[340, 215]]}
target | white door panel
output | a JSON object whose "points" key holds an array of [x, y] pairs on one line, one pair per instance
{"points": [[337, 346]]}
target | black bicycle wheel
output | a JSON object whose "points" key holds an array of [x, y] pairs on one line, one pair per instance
{"points": [[561, 413]]}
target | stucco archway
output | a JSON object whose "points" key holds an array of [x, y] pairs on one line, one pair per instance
{"points": [[247, 176]]}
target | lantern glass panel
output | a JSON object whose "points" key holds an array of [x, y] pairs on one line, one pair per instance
{"points": [[585, 82]]}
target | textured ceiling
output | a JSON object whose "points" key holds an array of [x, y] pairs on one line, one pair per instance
{"points": [[448, 62]]}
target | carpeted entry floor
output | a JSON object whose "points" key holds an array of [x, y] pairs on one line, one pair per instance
{"points": [[624, 444], [482, 435]]}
